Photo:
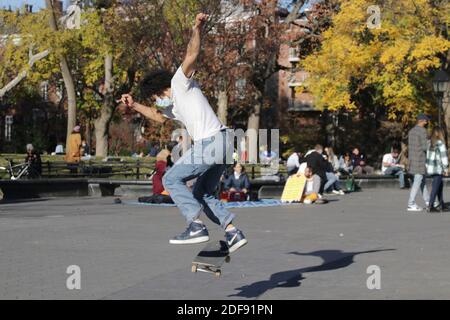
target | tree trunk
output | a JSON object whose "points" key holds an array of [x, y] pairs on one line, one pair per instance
{"points": [[252, 131], [67, 77], [446, 113], [222, 106], [254, 117], [102, 122]]}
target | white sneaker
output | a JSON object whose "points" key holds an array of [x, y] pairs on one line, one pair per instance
{"points": [[319, 196], [436, 204], [307, 201], [414, 207], [336, 192], [341, 192]]}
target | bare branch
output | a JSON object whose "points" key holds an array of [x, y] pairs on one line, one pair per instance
{"points": [[23, 74]]}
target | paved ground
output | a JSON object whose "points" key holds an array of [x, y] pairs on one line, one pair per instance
{"points": [[294, 252]]}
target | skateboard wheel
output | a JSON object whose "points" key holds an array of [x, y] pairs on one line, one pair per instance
{"points": [[217, 273], [194, 268], [228, 259]]}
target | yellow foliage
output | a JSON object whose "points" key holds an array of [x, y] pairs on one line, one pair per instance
{"points": [[395, 59]]}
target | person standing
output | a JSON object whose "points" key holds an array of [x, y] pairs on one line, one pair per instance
{"points": [[417, 148], [437, 167], [73, 150]]}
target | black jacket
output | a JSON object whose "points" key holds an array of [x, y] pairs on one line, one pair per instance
{"points": [[318, 164], [238, 184]]}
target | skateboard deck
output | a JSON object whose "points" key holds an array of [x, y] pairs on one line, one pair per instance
{"points": [[211, 258], [294, 188]]}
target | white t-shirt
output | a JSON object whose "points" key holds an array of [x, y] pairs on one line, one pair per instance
{"points": [[192, 108], [388, 158], [293, 161]]}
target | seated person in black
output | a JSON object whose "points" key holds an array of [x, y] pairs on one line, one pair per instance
{"points": [[318, 164], [237, 181], [33, 159]]}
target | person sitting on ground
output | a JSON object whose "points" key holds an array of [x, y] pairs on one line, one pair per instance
{"points": [[33, 159], [159, 194], [293, 163], [392, 167], [345, 165], [238, 181], [359, 163], [332, 158], [333, 185], [318, 165], [312, 186]]}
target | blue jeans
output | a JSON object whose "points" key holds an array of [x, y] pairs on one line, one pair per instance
{"points": [[418, 184], [437, 190], [396, 171], [332, 181], [206, 161]]}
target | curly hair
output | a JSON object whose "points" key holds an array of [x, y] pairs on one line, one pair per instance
{"points": [[155, 83]]}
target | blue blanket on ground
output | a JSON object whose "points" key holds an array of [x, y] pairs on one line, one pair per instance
{"points": [[243, 204]]}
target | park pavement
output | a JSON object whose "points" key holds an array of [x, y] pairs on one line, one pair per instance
{"points": [[294, 251]]}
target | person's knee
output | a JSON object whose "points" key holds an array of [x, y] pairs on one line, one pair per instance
{"points": [[169, 179]]}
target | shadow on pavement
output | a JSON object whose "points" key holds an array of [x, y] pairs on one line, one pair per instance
{"points": [[12, 201], [332, 260]]}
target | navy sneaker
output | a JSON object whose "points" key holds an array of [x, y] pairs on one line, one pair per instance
{"points": [[235, 239], [195, 233]]}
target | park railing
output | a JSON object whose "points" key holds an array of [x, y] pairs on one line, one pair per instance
{"points": [[126, 168], [116, 168]]}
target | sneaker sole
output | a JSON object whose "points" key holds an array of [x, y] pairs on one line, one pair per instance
{"points": [[237, 245], [190, 241]]}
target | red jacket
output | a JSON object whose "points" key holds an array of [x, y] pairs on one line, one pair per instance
{"points": [[160, 168]]}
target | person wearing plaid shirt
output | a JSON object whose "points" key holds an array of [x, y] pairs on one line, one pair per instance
{"points": [[437, 166]]}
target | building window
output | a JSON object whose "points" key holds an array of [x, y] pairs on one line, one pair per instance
{"points": [[8, 128]]}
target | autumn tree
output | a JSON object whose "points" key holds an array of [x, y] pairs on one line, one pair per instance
{"points": [[389, 65]]}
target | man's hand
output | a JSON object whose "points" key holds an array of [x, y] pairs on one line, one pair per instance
{"points": [[127, 100], [200, 20]]}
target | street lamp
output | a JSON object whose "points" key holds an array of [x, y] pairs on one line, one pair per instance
{"points": [[441, 84]]}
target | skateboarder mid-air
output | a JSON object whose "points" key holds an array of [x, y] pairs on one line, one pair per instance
{"points": [[181, 98]]}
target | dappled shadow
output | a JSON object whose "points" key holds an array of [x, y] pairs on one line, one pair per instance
{"points": [[332, 260]]}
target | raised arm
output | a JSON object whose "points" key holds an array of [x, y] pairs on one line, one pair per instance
{"points": [[193, 48]]}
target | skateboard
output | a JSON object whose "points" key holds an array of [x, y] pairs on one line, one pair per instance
{"points": [[211, 258]]}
